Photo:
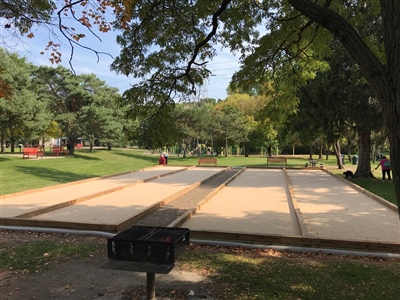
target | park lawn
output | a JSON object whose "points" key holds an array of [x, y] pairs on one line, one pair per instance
{"points": [[235, 272], [239, 273], [17, 174]]}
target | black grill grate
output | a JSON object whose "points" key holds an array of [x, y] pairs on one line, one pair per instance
{"points": [[159, 245]]}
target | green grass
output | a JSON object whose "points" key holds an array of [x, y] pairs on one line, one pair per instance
{"points": [[256, 276], [241, 274], [17, 174], [239, 161], [379, 188], [36, 255]]}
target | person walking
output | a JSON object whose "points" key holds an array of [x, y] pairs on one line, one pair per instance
{"points": [[385, 165]]}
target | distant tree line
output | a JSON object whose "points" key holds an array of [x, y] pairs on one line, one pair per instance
{"points": [[46, 102]]}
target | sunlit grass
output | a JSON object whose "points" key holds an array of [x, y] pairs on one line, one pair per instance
{"points": [[256, 276]]}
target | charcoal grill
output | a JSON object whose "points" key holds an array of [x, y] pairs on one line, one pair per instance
{"points": [[147, 249]]}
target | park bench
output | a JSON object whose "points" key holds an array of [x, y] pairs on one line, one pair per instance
{"points": [[207, 160], [56, 150], [27, 152], [276, 159], [313, 163]]}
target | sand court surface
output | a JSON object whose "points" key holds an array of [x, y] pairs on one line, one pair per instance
{"points": [[117, 207], [335, 210], [259, 201], [300, 203], [255, 202], [23, 203]]}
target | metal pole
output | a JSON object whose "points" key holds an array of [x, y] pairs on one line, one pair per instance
{"points": [[151, 286]]}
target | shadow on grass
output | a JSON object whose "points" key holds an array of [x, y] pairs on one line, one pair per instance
{"points": [[53, 174], [85, 157], [378, 187], [132, 155], [309, 279]]}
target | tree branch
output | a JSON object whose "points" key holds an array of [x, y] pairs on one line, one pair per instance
{"points": [[373, 70], [72, 42], [204, 42]]}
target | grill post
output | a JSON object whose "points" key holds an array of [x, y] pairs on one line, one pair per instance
{"points": [[151, 286]]}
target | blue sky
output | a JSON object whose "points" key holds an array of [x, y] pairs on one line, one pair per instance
{"points": [[85, 61]]}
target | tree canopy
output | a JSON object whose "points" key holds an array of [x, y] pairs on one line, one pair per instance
{"points": [[48, 102], [167, 44]]}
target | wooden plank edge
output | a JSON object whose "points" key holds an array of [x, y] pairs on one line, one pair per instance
{"points": [[296, 241], [57, 224], [301, 223], [131, 221]]}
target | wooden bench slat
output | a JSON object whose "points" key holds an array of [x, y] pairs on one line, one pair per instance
{"points": [[27, 152], [207, 160], [276, 159], [58, 150]]}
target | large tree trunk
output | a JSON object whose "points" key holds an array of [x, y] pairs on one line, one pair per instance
{"points": [[338, 153], [364, 154], [2, 138], [390, 10], [71, 140], [326, 151], [12, 144], [393, 121], [71, 148], [184, 147], [226, 146]]}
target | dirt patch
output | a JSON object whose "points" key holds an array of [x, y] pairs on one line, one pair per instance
{"points": [[84, 278]]}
